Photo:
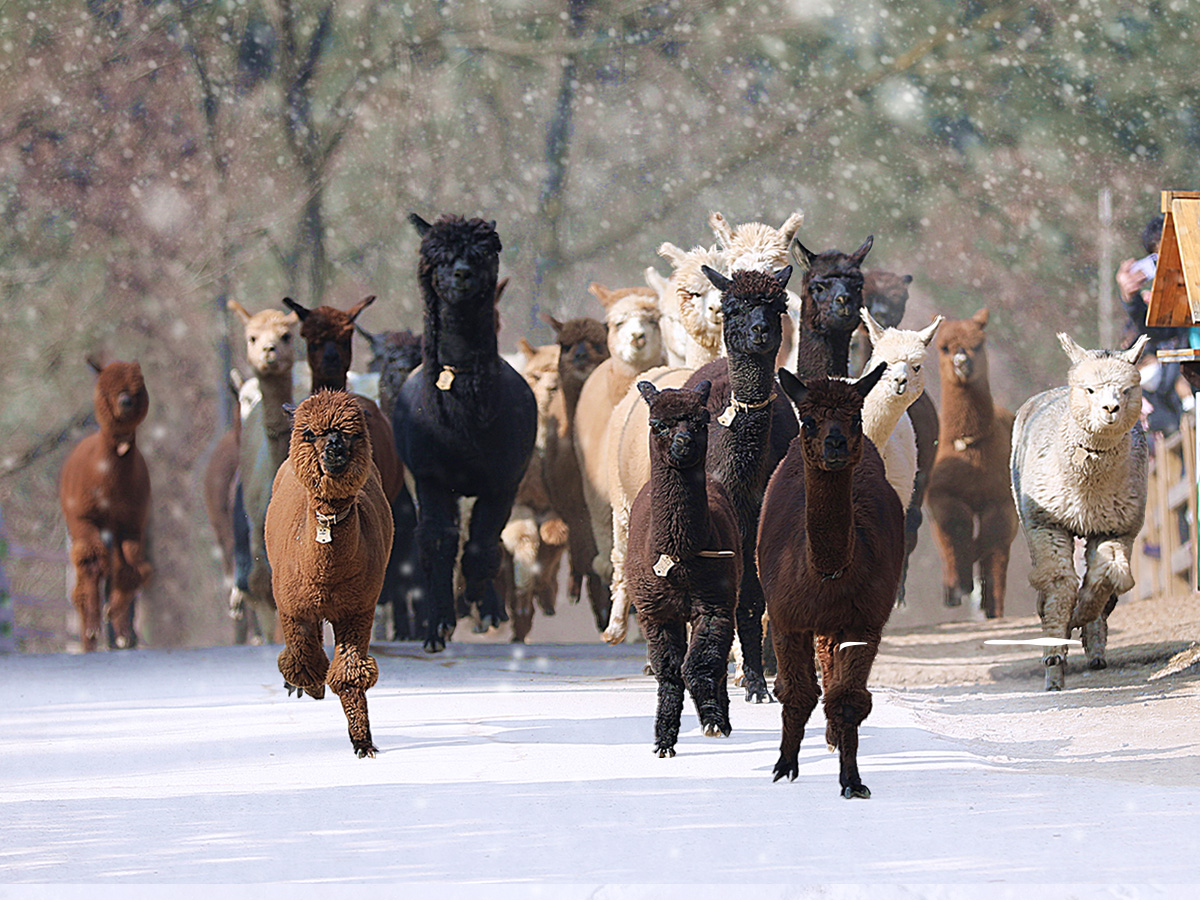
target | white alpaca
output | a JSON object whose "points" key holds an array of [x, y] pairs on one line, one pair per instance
{"points": [[884, 421], [1079, 463], [691, 306]]}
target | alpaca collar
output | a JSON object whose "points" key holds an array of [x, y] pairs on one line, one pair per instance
{"points": [[830, 576], [445, 379], [666, 563], [1082, 454], [962, 443], [738, 406], [325, 523]]}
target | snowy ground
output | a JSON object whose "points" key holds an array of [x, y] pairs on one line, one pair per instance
{"points": [[527, 764]]}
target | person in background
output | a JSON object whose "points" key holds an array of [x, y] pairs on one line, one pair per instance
{"points": [[1134, 280]]}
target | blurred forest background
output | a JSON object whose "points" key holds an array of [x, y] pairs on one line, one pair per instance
{"points": [[157, 158]]}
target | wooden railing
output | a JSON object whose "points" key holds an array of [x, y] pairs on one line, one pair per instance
{"points": [[1164, 554]]}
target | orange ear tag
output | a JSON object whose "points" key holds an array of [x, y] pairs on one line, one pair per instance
{"points": [[445, 379]]}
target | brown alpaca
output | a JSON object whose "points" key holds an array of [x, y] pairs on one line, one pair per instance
{"points": [[582, 348], [329, 534], [104, 489], [830, 550], [683, 565], [970, 492]]}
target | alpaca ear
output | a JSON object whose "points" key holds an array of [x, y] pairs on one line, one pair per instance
{"points": [[928, 334], [359, 307], [1075, 353], [95, 362], [907, 279], [290, 409], [500, 286], [1134, 353], [874, 329], [801, 255], [719, 281], [654, 279], [236, 380], [981, 318], [601, 293], [704, 388], [671, 253], [295, 307], [796, 390], [720, 227], [792, 225], [239, 310], [551, 321], [423, 227], [378, 345], [527, 349], [860, 254], [868, 381], [647, 390], [783, 276]]}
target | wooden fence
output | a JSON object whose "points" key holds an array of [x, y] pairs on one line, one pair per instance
{"points": [[1164, 555]]}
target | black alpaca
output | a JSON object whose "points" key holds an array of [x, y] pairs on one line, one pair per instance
{"points": [[754, 425], [465, 421], [831, 299], [683, 567]]}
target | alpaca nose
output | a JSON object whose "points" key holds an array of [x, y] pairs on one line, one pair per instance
{"points": [[580, 356], [331, 360], [837, 448], [639, 339]]}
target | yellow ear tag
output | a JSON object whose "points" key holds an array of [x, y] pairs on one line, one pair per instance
{"points": [[324, 535], [664, 565], [445, 379], [726, 418]]}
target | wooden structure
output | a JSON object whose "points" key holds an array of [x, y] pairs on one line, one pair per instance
{"points": [[1175, 301], [1164, 554]]}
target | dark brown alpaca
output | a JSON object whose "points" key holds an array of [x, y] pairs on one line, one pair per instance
{"points": [[583, 345], [329, 534], [830, 297], [683, 565], [104, 489], [970, 493], [830, 549]]}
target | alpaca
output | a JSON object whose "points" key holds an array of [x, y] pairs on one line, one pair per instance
{"points": [[635, 345], [394, 354], [690, 305], [830, 549], [465, 421], [884, 423], [969, 493], [104, 489], [885, 295], [266, 432], [329, 534], [582, 348], [831, 297], [683, 565], [1079, 464]]}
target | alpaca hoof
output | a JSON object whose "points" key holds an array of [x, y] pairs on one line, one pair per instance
{"points": [[647, 669], [756, 688], [363, 749], [1055, 675], [434, 645], [717, 730], [786, 769], [613, 634], [1098, 663], [665, 752], [850, 792], [953, 598]]}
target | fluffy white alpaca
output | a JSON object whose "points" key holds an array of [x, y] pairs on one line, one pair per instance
{"points": [[884, 421], [691, 306]]}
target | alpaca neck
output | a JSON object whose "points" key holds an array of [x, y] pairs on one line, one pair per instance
{"points": [[751, 376], [822, 353], [465, 339], [330, 382], [1084, 448], [620, 376], [882, 411], [119, 442], [569, 389], [967, 409], [679, 508], [829, 519], [277, 425]]}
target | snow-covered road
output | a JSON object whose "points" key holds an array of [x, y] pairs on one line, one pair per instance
{"points": [[519, 764]]}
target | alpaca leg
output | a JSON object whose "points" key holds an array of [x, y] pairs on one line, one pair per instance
{"points": [[1053, 577], [302, 661], [1095, 637], [1108, 574], [847, 704], [912, 525], [437, 543], [954, 534], [618, 618], [797, 690], [130, 571], [481, 557], [704, 671], [997, 527], [351, 674], [828, 662], [751, 604], [90, 558], [665, 646], [403, 583]]}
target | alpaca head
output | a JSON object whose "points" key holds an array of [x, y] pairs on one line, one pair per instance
{"points": [[270, 339], [903, 352], [120, 398], [753, 245], [327, 334], [832, 287], [394, 355], [885, 294], [1106, 387], [699, 299], [830, 414], [962, 349], [330, 448], [460, 259], [541, 371], [678, 423], [632, 315], [582, 346], [753, 305]]}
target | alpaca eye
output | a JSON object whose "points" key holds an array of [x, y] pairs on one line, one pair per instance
{"points": [[808, 423], [285, 338], [307, 436], [916, 368], [253, 339], [1090, 390], [856, 421]]}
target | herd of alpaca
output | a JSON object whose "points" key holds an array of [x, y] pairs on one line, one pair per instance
{"points": [[708, 455]]}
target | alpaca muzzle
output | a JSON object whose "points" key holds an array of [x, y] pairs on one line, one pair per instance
{"points": [[963, 367], [335, 455], [836, 450]]}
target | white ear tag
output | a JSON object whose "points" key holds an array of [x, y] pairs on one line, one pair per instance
{"points": [[664, 565], [324, 535], [726, 418], [445, 380]]}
